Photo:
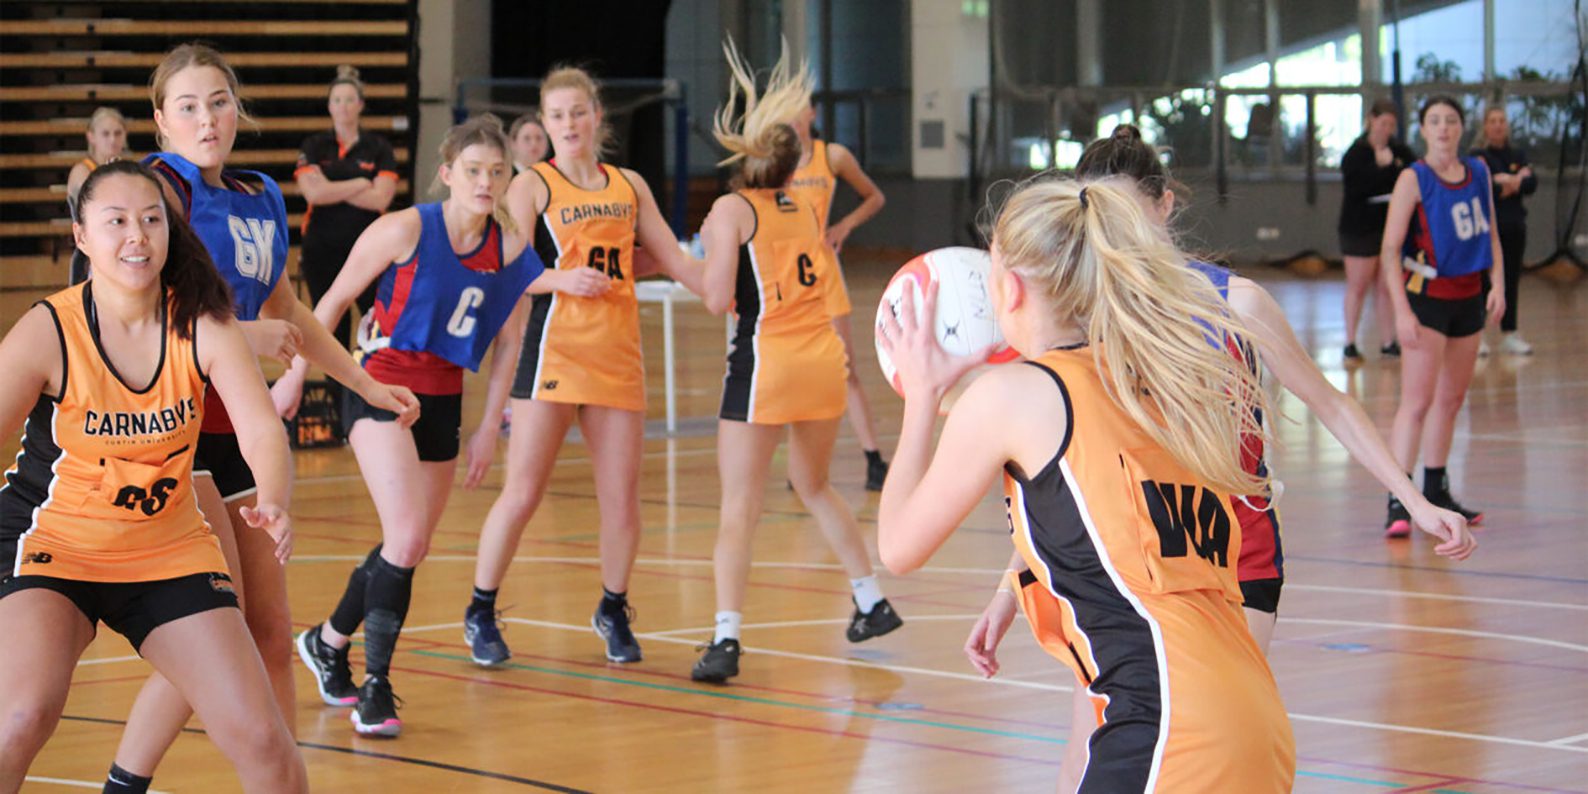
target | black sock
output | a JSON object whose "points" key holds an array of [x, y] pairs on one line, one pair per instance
{"points": [[349, 611], [120, 781], [1435, 481], [484, 601], [874, 457], [386, 603], [613, 602]]}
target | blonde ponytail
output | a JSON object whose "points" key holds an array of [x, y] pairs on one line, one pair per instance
{"points": [[1158, 328], [756, 129]]}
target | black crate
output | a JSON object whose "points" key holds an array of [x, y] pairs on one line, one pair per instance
{"points": [[319, 419]]}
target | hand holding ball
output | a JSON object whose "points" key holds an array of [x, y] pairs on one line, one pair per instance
{"points": [[963, 321]]}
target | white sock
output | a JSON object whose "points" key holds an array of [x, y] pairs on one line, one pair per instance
{"points": [[867, 592], [727, 626]]}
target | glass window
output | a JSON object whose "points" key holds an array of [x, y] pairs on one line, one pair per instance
{"points": [[1443, 45], [1542, 41]]}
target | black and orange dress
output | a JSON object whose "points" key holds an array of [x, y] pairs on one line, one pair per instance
{"points": [[814, 183], [579, 350], [99, 505], [786, 363], [1132, 584]]}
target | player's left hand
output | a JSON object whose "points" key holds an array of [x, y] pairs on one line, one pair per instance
{"points": [[478, 455], [925, 370], [287, 394], [1495, 305], [274, 521], [1448, 526], [396, 399]]}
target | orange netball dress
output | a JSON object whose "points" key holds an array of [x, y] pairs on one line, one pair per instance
{"points": [[814, 183], [103, 488], [1134, 561], [585, 350], [786, 364]]}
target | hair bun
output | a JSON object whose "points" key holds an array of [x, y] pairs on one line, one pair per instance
{"points": [[347, 72], [1127, 132]]}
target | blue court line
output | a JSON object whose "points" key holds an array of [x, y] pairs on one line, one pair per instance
{"points": [[763, 701]]}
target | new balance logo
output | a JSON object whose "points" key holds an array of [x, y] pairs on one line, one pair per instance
{"points": [[38, 558], [549, 385]]}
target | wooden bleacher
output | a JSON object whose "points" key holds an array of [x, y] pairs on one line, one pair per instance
{"points": [[64, 58]]}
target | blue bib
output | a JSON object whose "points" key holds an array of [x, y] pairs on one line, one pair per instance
{"points": [[1449, 234], [444, 307], [245, 234]]}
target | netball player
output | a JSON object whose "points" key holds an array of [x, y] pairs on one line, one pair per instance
{"points": [[822, 164], [1438, 293], [241, 218], [450, 276], [580, 359], [786, 364], [530, 144], [1093, 292], [1260, 569], [1367, 175], [98, 517], [107, 141]]}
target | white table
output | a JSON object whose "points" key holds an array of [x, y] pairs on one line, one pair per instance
{"points": [[666, 292]]}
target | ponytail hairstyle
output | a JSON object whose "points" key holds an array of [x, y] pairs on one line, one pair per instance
{"points": [[481, 128], [756, 129], [346, 74], [193, 286], [194, 54], [574, 77], [1096, 255], [1124, 153]]}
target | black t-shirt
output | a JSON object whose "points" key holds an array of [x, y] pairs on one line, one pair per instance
{"points": [[1364, 180], [1508, 211], [339, 225]]}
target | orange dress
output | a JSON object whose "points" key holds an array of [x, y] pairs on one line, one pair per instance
{"points": [[814, 183], [1135, 590], [585, 350], [103, 488], [786, 363]]}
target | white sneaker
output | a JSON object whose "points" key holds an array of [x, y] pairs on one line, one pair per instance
{"points": [[1513, 344], [1483, 347]]}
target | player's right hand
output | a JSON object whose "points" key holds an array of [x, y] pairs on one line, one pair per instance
{"points": [[981, 647], [276, 339]]}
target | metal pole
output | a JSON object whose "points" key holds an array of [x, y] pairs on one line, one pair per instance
{"points": [[1312, 149], [1398, 88], [680, 163], [829, 113]]}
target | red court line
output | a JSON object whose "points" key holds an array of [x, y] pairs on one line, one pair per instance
{"points": [[92, 681], [728, 717]]}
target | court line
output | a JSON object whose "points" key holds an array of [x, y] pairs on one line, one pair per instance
{"points": [[1453, 571], [108, 660], [828, 566], [88, 784], [790, 624], [1491, 635], [1386, 727], [1571, 739]]}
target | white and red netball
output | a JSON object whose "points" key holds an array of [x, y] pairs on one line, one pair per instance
{"points": [[965, 323]]}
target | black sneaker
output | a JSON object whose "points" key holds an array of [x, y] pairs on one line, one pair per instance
{"points": [[332, 675], [876, 473], [376, 712], [483, 633], [879, 621], [1448, 502], [614, 628], [1399, 522], [719, 663], [1351, 354], [1391, 350]]}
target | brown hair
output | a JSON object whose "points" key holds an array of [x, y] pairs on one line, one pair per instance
{"points": [[1124, 153], [532, 117], [194, 54], [574, 77], [1380, 107], [481, 128], [193, 285], [347, 74]]}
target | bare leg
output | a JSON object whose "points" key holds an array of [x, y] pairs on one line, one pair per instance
{"points": [[1261, 626], [1083, 721], [266, 612], [1455, 377], [159, 713], [538, 431], [744, 454], [1361, 274], [1419, 376], [37, 673], [211, 658], [810, 454], [615, 438]]}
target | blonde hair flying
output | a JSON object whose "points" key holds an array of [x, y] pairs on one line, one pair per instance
{"points": [[755, 128], [1158, 329]]}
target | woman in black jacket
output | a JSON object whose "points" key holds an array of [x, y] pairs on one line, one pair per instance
{"points": [[1369, 168], [1513, 179]]}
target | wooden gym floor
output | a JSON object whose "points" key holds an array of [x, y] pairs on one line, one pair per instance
{"points": [[1401, 672]]}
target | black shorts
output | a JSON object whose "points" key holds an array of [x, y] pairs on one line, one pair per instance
{"points": [[1453, 318], [133, 609], [435, 434], [1361, 244], [219, 456], [1262, 594]]}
